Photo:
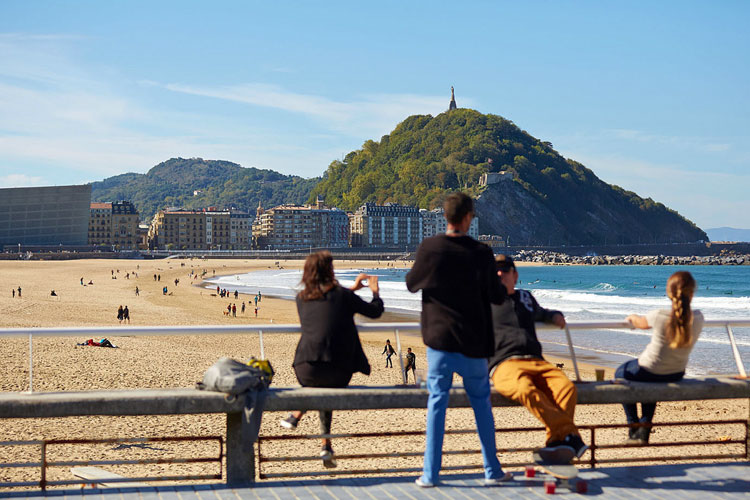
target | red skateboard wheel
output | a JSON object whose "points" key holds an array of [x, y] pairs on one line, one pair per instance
{"points": [[549, 487], [582, 486], [530, 471]]}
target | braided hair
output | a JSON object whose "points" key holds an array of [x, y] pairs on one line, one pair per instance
{"points": [[680, 289]]}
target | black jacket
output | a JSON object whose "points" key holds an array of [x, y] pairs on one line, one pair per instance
{"points": [[513, 322], [458, 281], [328, 331]]}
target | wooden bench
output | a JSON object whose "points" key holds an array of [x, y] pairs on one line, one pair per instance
{"points": [[240, 463]]}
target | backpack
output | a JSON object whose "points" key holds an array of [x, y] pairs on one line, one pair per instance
{"points": [[234, 377]]}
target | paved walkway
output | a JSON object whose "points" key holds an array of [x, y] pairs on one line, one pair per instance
{"points": [[677, 482]]}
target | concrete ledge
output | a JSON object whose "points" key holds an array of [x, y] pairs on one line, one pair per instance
{"points": [[192, 401]]}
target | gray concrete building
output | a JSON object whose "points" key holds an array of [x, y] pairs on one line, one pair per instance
{"points": [[55, 215]]}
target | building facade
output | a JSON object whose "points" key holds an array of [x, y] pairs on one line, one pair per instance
{"points": [[56, 215], [207, 229], [114, 224], [390, 225], [300, 226], [433, 222]]}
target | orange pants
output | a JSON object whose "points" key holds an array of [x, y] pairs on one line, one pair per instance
{"points": [[543, 389]]}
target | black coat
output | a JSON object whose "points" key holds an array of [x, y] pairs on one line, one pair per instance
{"points": [[328, 330]]}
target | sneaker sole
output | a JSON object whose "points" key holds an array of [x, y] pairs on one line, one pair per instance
{"points": [[287, 425], [557, 455]]}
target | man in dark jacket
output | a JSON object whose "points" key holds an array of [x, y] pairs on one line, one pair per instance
{"points": [[456, 276], [519, 372]]}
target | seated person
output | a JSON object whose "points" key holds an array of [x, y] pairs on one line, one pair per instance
{"points": [[519, 372]]}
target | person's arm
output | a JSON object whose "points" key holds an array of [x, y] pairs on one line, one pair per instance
{"points": [[372, 309], [547, 315], [418, 277], [638, 321]]}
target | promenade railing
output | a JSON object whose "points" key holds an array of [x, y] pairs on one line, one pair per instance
{"points": [[396, 328]]}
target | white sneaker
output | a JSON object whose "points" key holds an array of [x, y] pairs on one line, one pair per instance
{"points": [[423, 484], [497, 480], [326, 454]]}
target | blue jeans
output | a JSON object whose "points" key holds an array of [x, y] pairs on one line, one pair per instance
{"points": [[441, 366], [631, 370]]}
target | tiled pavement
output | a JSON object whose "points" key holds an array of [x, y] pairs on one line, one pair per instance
{"points": [[670, 482]]}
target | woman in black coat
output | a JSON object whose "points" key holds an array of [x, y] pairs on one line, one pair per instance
{"points": [[329, 351]]}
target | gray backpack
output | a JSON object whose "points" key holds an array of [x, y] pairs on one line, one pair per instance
{"points": [[233, 377]]}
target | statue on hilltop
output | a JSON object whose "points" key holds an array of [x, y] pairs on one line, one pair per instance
{"points": [[452, 105]]}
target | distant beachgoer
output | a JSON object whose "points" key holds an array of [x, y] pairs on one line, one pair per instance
{"points": [[19, 292], [236, 294], [126, 314], [665, 358], [256, 311], [164, 291], [81, 280], [256, 301], [154, 277], [127, 276], [389, 351], [411, 364], [14, 293], [229, 308], [234, 310], [112, 271], [260, 297], [176, 281], [137, 292], [53, 294], [243, 307], [120, 314], [218, 289], [329, 351], [91, 282]]}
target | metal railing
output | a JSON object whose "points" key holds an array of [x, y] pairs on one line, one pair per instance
{"points": [[45, 463], [592, 461], [397, 328]]}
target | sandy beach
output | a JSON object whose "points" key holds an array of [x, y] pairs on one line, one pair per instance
{"points": [[179, 361]]}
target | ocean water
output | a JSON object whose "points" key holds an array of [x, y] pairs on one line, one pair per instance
{"points": [[596, 293]]}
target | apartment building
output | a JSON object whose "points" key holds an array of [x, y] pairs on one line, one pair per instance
{"points": [[300, 226], [114, 224], [178, 229], [389, 225], [433, 222]]}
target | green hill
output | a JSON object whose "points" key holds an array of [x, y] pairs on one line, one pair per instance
{"points": [[549, 199], [220, 183]]}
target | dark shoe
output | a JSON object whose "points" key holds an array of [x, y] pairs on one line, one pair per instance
{"points": [[575, 442], [326, 454], [556, 452], [289, 422], [643, 433]]}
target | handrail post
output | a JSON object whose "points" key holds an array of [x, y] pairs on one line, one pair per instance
{"points": [[400, 358], [262, 350], [572, 353], [31, 364], [736, 352]]}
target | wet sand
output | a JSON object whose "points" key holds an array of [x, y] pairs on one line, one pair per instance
{"points": [[179, 361]]}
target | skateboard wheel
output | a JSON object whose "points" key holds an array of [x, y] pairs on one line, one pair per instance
{"points": [[530, 471], [549, 487], [582, 486]]}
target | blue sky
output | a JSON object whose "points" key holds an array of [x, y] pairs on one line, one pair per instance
{"points": [[651, 96]]}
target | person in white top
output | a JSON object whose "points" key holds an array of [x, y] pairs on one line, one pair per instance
{"points": [[675, 332]]}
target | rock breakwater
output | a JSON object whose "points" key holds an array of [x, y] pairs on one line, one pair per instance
{"points": [[547, 257]]}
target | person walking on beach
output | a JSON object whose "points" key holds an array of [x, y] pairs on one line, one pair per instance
{"points": [[256, 311], [236, 295], [329, 350], [126, 315], [19, 291], [411, 364], [14, 292], [256, 301], [455, 274], [137, 292], [389, 351], [519, 372], [665, 358], [260, 297], [243, 307], [234, 310], [120, 314]]}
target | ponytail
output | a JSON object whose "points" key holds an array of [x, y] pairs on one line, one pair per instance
{"points": [[680, 289]]}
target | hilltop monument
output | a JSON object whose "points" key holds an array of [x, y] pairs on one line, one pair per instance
{"points": [[452, 105]]}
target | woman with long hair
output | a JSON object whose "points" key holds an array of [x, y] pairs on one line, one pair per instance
{"points": [[329, 351], [675, 332]]}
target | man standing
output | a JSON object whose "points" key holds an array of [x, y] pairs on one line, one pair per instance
{"points": [[456, 276], [519, 372], [411, 364]]}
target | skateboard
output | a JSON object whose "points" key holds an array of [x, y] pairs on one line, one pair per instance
{"points": [[562, 474]]}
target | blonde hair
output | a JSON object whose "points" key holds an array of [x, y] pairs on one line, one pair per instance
{"points": [[680, 290]]}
